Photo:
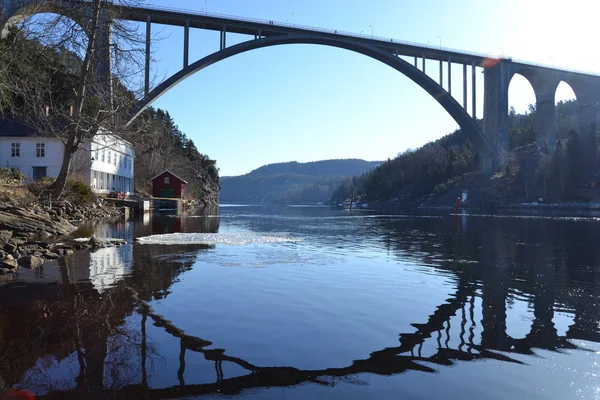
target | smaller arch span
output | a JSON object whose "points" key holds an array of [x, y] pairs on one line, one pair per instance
{"points": [[459, 114], [33, 7]]}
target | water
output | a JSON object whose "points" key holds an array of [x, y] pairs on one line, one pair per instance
{"points": [[313, 303]]}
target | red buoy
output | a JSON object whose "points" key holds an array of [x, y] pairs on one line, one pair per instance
{"points": [[457, 205]]}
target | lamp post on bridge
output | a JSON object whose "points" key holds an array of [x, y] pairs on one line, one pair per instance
{"points": [[440, 38], [371, 26]]}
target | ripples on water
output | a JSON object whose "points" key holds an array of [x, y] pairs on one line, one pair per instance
{"points": [[313, 303]]}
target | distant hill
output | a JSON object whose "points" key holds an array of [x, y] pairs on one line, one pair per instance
{"points": [[292, 182]]}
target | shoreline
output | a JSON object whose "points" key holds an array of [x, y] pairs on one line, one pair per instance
{"points": [[31, 235]]}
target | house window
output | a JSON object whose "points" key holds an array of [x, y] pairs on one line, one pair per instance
{"points": [[115, 160], [167, 180], [15, 150], [102, 155], [40, 150], [109, 156]]}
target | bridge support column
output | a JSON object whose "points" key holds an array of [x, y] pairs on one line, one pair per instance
{"points": [[465, 86], [474, 91], [495, 110], [416, 63], [147, 66], [545, 119], [588, 123], [441, 74], [423, 63], [450, 76], [104, 59], [223, 38], [186, 44]]}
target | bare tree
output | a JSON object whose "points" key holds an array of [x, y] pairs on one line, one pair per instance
{"points": [[101, 59]]}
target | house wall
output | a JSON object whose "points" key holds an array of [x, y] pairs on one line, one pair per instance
{"points": [[89, 164], [52, 160], [111, 164], [174, 183]]}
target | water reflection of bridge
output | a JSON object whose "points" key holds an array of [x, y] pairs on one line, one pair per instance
{"points": [[75, 320]]}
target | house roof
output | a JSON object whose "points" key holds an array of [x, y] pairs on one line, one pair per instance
{"points": [[169, 172], [10, 127]]}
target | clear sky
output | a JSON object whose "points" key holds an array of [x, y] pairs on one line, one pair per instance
{"points": [[309, 102]]}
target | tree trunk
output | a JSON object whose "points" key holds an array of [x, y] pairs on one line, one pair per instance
{"points": [[58, 186]]}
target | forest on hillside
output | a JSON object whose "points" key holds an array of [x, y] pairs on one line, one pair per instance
{"points": [[164, 146], [291, 182], [528, 174], [157, 141]]}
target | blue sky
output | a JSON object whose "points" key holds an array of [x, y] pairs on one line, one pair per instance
{"points": [[308, 102]]}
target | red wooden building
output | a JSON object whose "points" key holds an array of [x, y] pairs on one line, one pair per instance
{"points": [[167, 184]]}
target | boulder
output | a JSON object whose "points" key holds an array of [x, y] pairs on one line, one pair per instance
{"points": [[5, 236], [9, 262], [10, 247], [18, 240], [31, 262], [95, 243]]}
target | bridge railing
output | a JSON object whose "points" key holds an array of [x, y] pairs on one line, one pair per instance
{"points": [[380, 39]]}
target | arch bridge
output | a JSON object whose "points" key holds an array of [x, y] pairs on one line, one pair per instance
{"points": [[490, 141]]}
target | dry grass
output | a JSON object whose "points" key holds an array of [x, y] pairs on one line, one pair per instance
{"points": [[19, 194]]}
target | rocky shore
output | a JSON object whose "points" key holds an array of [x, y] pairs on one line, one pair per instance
{"points": [[18, 252], [26, 232]]}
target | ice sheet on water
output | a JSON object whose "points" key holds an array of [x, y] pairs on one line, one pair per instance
{"points": [[232, 238]]}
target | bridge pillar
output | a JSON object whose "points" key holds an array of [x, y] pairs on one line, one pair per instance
{"points": [[465, 86], [449, 77], [588, 125], [495, 110], [147, 61], [545, 121], [103, 56]]}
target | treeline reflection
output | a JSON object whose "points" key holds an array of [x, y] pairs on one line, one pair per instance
{"points": [[87, 334]]}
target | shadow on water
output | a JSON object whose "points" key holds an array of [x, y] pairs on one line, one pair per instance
{"points": [[94, 318]]}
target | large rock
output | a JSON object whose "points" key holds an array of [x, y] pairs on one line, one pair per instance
{"points": [[31, 262], [18, 240], [5, 236], [95, 243], [24, 222], [9, 262], [10, 247]]}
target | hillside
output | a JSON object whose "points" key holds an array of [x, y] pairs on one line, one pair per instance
{"points": [[291, 182], [436, 173], [158, 142]]}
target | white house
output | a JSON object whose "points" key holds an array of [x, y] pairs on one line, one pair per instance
{"points": [[106, 163]]}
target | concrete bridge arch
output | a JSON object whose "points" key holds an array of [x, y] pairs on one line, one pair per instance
{"points": [[456, 111]]}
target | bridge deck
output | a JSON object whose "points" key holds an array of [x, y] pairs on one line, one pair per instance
{"points": [[266, 28], [216, 22]]}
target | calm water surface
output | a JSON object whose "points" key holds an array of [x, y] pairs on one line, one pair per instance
{"points": [[313, 303]]}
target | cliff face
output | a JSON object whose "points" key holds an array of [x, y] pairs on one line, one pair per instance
{"points": [[209, 184]]}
